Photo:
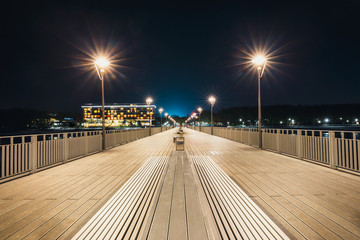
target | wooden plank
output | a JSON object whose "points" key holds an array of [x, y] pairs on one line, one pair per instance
{"points": [[178, 221], [160, 222], [194, 215]]}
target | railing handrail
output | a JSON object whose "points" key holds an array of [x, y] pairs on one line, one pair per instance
{"points": [[337, 149], [25, 154]]}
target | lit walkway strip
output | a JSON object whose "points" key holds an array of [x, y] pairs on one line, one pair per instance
{"points": [[122, 216], [236, 215]]}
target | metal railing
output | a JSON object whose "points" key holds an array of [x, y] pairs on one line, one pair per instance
{"points": [[336, 149], [25, 154]]}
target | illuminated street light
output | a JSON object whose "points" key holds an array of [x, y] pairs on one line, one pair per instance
{"points": [[260, 62], [149, 100], [212, 101], [160, 111], [100, 66], [200, 111]]}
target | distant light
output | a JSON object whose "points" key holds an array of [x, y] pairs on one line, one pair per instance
{"points": [[327, 120], [102, 62], [161, 110], [212, 100], [319, 121], [341, 118], [293, 121], [149, 100], [259, 60], [356, 120], [200, 110], [281, 122], [240, 120]]}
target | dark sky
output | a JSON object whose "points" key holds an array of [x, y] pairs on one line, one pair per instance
{"points": [[179, 53]]}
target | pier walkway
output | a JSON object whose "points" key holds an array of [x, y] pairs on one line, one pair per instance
{"points": [[216, 189]]}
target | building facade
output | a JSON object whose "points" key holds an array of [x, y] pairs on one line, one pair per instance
{"points": [[119, 115]]}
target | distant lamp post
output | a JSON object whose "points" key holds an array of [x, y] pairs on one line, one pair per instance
{"points": [[161, 111], [100, 66], [166, 116], [212, 101], [149, 100], [193, 119], [260, 63], [200, 111]]}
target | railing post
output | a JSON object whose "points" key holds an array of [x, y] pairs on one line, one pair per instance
{"points": [[114, 137], [66, 147], [278, 140], [12, 160], [33, 158], [332, 150], [298, 144], [86, 136]]}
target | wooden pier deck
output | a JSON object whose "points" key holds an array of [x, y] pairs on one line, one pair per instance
{"points": [[305, 200]]}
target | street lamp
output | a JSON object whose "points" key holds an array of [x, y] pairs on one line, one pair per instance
{"points": [[166, 115], [260, 63], [160, 111], [100, 65], [149, 100], [199, 110], [212, 101]]}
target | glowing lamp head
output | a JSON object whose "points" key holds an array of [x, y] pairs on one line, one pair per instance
{"points": [[259, 60], [161, 110], [149, 100], [199, 110], [212, 100], [102, 62], [166, 114]]}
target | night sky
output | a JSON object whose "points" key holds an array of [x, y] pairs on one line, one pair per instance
{"points": [[179, 53]]}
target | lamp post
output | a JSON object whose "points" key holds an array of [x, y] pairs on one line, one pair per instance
{"points": [[166, 115], [100, 65], [212, 101], [149, 100], [260, 63], [160, 111], [199, 110]]}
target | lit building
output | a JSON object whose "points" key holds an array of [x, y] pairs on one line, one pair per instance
{"points": [[117, 115]]}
